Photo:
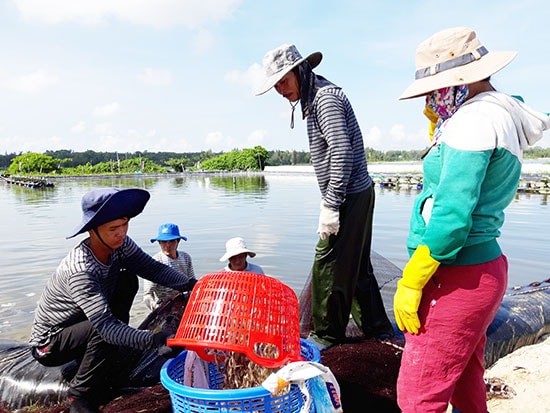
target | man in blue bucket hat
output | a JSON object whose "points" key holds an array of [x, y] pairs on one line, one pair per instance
{"points": [[168, 238], [83, 312]]}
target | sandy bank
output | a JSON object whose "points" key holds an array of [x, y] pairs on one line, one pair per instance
{"points": [[527, 372], [523, 377]]}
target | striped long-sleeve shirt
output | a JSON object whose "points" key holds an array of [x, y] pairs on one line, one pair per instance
{"points": [[82, 286], [336, 147], [153, 293]]}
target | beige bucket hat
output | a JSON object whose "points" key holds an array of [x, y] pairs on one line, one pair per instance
{"points": [[236, 246], [278, 62], [453, 57]]}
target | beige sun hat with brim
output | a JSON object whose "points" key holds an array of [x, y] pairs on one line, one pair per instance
{"points": [[453, 57], [236, 246], [278, 62]]}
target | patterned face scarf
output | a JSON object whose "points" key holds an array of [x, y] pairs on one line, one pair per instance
{"points": [[445, 102], [441, 104]]}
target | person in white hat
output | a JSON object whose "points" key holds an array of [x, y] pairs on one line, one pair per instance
{"points": [[343, 280], [168, 237], [236, 254], [83, 313], [456, 276]]}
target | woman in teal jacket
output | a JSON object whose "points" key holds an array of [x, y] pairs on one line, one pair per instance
{"points": [[456, 277]]}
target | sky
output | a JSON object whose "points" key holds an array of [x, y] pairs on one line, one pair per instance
{"points": [[181, 75]]}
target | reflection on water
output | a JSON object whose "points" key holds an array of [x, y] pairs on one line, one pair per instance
{"points": [[249, 185], [208, 208], [276, 213], [542, 198]]}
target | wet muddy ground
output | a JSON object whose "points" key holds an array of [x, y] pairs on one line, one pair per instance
{"points": [[366, 372]]}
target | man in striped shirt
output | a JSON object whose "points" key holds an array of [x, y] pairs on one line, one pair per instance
{"points": [[83, 313], [343, 280]]}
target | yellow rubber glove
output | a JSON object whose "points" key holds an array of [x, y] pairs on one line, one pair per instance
{"points": [[416, 274], [432, 116]]}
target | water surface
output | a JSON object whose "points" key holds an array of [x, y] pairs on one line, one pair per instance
{"points": [[276, 213]]}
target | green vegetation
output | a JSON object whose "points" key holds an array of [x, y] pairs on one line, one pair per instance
{"points": [[69, 163], [245, 160], [93, 163], [40, 164]]}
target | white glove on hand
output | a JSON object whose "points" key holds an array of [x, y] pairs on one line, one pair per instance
{"points": [[329, 222]]}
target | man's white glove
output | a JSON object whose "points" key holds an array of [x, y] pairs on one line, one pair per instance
{"points": [[329, 222]]}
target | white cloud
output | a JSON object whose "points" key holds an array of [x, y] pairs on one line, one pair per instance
{"points": [[217, 141], [374, 138], [151, 133], [214, 138], [400, 139], [30, 83], [257, 137], [396, 138], [152, 141], [79, 127], [108, 110], [108, 141], [28, 144], [103, 128], [155, 77], [157, 13], [253, 77], [56, 142], [17, 142], [203, 41], [397, 132]]}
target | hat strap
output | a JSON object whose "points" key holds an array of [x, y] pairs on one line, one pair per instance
{"points": [[293, 105], [101, 239], [451, 64]]}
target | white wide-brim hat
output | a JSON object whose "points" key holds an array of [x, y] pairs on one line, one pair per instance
{"points": [[453, 57], [236, 246], [278, 62]]}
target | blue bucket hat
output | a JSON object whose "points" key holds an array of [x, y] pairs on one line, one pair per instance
{"points": [[107, 204], [168, 232]]}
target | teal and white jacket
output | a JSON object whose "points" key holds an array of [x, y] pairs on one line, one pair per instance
{"points": [[471, 176]]}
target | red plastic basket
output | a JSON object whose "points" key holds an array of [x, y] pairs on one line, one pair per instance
{"points": [[248, 313]]}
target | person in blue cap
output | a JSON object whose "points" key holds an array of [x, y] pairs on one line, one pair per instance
{"points": [[83, 312], [168, 238]]}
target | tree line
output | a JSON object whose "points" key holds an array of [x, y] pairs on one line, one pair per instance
{"points": [[104, 162], [92, 163], [69, 162]]}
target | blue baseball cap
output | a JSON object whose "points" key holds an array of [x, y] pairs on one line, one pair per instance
{"points": [[168, 232]]}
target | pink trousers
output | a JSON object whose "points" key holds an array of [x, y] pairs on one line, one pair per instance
{"points": [[445, 361]]}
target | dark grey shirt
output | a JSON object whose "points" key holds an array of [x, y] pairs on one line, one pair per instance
{"points": [[336, 147], [82, 286]]}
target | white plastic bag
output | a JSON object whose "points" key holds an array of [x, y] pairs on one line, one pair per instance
{"points": [[195, 371], [325, 391]]}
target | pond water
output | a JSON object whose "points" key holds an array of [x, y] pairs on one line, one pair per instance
{"points": [[275, 212]]}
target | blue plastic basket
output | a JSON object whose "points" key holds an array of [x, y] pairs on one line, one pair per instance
{"points": [[186, 399]]}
